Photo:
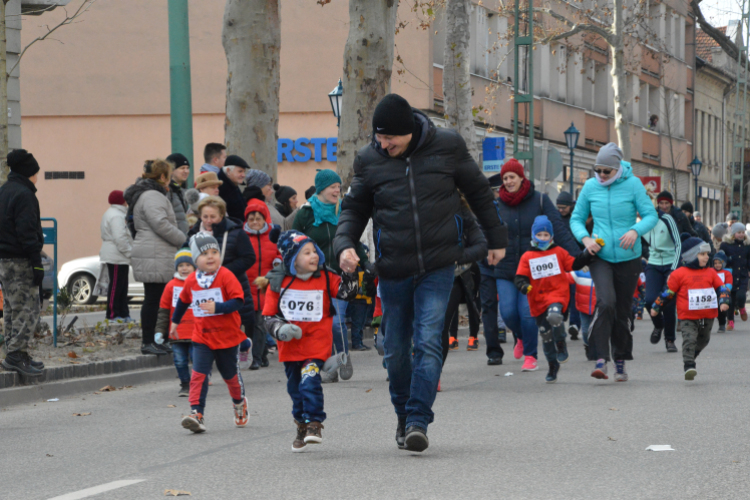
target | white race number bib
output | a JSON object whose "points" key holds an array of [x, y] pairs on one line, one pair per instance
{"points": [[302, 305], [176, 291], [544, 267], [723, 278], [702, 298], [203, 296]]}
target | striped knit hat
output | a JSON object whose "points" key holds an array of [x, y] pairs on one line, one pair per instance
{"points": [[183, 256]]}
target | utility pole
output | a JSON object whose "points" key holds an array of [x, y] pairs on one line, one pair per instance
{"points": [[180, 91], [740, 115], [524, 94]]}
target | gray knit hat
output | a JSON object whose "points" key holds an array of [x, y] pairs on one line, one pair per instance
{"points": [[257, 178], [719, 230], [737, 227], [610, 155], [201, 242]]}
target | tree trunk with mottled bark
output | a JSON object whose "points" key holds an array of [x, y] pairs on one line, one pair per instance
{"points": [[368, 62], [252, 40], [619, 80], [3, 98], [456, 76]]}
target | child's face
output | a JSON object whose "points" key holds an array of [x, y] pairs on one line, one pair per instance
{"points": [[543, 236], [209, 261], [703, 259], [307, 259], [185, 269], [718, 265], [739, 235], [255, 221]]}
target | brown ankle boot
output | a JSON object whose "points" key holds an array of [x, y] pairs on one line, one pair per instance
{"points": [[299, 442], [313, 435]]}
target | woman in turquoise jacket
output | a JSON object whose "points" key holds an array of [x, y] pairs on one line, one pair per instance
{"points": [[614, 198]]}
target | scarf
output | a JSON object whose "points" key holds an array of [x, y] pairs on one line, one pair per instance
{"points": [[253, 231], [611, 180], [324, 212], [513, 199], [203, 229], [205, 280], [179, 276]]}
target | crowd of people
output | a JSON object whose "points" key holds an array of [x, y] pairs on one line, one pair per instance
{"points": [[236, 268]]}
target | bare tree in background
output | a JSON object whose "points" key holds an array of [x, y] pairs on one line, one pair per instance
{"points": [[368, 63], [457, 89], [252, 40]]}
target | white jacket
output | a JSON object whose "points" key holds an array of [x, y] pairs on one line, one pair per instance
{"points": [[117, 244]]}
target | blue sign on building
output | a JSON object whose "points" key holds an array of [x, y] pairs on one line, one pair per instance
{"points": [[299, 150], [493, 154]]}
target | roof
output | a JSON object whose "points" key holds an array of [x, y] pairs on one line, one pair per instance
{"points": [[704, 44]]}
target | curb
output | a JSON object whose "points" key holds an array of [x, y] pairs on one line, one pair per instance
{"points": [[10, 379], [41, 393]]}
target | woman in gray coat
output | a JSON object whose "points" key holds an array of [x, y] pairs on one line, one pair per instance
{"points": [[156, 239]]}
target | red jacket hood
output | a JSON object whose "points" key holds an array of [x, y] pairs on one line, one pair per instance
{"points": [[256, 205]]}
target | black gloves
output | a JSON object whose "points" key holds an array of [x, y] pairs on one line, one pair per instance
{"points": [[38, 275]]}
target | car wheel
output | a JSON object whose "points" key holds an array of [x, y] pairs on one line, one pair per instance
{"points": [[81, 289]]}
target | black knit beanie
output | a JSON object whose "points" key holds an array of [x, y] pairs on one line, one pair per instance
{"points": [[283, 193], [309, 192], [393, 116], [22, 162]]}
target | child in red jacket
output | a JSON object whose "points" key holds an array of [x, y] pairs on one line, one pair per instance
{"points": [[542, 276], [263, 236], [181, 339], [299, 314], [725, 275], [215, 296], [696, 288]]}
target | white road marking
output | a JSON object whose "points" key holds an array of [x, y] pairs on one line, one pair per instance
{"points": [[90, 492]]}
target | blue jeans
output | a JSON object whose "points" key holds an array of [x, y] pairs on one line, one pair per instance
{"points": [[339, 327], [656, 281], [575, 318], [414, 313], [585, 325], [182, 352], [514, 308], [304, 387], [358, 312]]}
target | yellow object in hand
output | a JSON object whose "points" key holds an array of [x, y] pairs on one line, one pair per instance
{"points": [[528, 289], [599, 242]]}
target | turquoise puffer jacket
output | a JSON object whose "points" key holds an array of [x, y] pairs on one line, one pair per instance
{"points": [[614, 209]]}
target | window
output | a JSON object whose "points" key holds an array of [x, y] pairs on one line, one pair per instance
{"points": [[64, 175]]}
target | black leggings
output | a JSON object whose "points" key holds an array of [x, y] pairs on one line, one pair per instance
{"points": [[150, 310], [450, 325]]}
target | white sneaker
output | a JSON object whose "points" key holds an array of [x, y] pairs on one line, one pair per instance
{"points": [[245, 360]]}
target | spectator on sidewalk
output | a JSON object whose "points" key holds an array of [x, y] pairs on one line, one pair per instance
{"points": [[259, 185], [565, 205], [114, 255], [286, 200], [414, 219], [180, 174], [21, 270], [687, 209], [214, 154], [231, 176]]}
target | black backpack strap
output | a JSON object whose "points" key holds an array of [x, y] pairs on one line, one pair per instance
{"points": [[283, 291]]}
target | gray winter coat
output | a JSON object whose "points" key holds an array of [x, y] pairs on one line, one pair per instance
{"points": [[157, 238], [179, 205], [117, 243]]}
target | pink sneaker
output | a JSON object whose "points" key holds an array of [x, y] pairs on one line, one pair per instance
{"points": [[518, 349], [730, 325], [529, 364], [244, 362]]}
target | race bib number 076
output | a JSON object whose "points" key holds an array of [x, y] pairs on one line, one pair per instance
{"points": [[302, 305], [544, 267], [702, 298]]}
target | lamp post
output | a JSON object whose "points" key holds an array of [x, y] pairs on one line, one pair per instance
{"points": [[695, 167], [571, 137], [336, 97]]}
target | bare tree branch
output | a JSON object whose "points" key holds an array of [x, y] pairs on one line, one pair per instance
{"points": [[575, 28], [82, 9], [723, 40]]}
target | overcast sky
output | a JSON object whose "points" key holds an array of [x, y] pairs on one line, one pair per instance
{"points": [[720, 12]]}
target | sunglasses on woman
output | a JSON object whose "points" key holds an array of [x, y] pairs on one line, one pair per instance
{"points": [[603, 171]]}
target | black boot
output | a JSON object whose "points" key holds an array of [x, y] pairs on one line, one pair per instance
{"points": [[416, 439], [152, 349], [165, 347], [502, 335], [21, 363], [40, 366], [401, 432], [656, 335]]}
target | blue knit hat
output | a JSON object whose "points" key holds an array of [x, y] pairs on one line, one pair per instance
{"points": [[541, 223], [183, 256], [720, 255], [290, 243], [691, 247], [324, 178]]}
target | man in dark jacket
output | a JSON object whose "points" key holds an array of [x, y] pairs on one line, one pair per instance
{"points": [[21, 271], [666, 205], [407, 180], [180, 173], [565, 205], [703, 233], [233, 174]]}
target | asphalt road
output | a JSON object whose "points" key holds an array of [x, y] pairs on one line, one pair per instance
{"points": [[494, 436]]}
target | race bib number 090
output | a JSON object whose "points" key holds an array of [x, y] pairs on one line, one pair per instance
{"points": [[302, 305], [544, 267], [203, 296], [702, 298]]}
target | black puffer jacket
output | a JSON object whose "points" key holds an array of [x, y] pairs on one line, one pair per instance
{"points": [[238, 258], [702, 231], [20, 227], [415, 205], [738, 257], [683, 224], [232, 196]]}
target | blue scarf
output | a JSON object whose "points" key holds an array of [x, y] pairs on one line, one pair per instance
{"points": [[324, 212]]}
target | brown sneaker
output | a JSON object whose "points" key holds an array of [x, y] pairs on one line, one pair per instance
{"points": [[313, 433], [299, 444]]}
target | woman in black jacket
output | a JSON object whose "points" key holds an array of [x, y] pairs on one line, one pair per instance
{"points": [[237, 253]]}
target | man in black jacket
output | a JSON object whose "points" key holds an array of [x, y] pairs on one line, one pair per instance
{"points": [[666, 205], [687, 209], [233, 174], [408, 181], [21, 271]]}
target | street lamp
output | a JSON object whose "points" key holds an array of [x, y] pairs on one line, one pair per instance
{"points": [[571, 137], [695, 167], [336, 97]]}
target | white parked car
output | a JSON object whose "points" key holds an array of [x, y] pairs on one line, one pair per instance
{"points": [[79, 277]]}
